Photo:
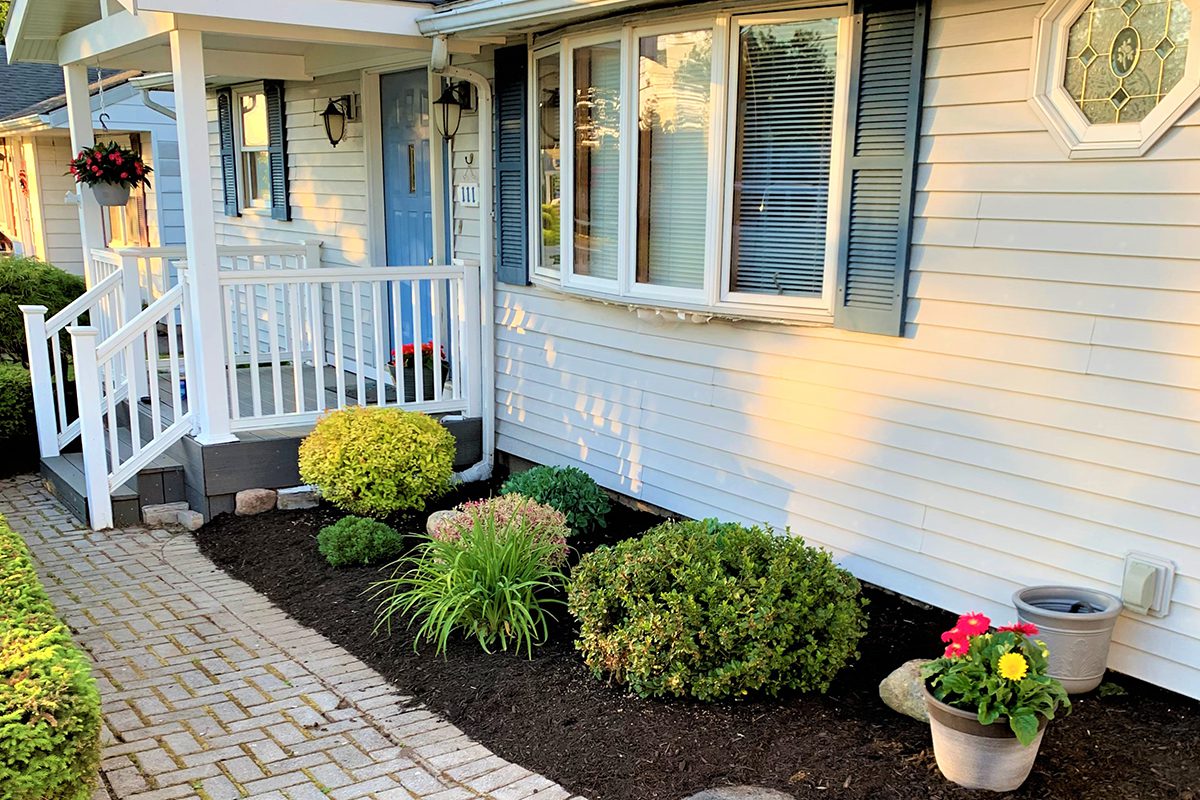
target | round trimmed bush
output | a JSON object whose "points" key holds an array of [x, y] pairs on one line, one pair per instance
{"points": [[377, 461], [358, 541], [572, 491], [509, 513], [712, 611], [27, 281]]}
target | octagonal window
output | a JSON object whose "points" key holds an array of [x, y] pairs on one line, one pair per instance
{"points": [[1124, 56]]}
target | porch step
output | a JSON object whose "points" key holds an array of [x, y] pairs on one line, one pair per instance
{"points": [[160, 482]]}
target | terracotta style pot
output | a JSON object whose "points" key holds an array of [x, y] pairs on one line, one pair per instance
{"points": [[979, 756], [110, 194], [1076, 625]]}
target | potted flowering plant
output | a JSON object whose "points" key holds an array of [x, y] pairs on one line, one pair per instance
{"points": [[408, 360], [989, 699], [111, 171]]}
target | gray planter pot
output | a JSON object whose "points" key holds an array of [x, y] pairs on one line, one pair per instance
{"points": [[1076, 624], [979, 756], [110, 194]]}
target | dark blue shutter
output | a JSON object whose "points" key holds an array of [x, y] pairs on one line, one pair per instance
{"points": [[512, 229], [228, 151], [888, 55], [277, 140]]}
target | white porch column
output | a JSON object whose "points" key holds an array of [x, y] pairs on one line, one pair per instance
{"points": [[79, 119], [209, 398]]}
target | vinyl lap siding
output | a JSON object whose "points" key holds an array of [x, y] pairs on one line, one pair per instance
{"points": [[1038, 421]]}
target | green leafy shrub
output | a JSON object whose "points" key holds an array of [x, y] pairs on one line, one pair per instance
{"points": [[494, 582], [508, 512], [713, 611], [377, 461], [16, 402], [358, 541], [572, 491], [49, 708], [27, 281]]}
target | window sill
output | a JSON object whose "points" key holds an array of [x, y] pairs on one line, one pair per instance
{"points": [[692, 313]]}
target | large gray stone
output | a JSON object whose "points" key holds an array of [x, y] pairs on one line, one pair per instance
{"points": [[904, 690], [741, 793], [297, 497], [154, 516], [434, 519], [249, 502]]}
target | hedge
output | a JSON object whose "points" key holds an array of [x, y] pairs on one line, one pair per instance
{"points": [[49, 707], [27, 281]]}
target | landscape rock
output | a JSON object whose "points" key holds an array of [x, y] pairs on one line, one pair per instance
{"points": [[904, 691], [434, 519], [191, 520], [249, 502], [297, 497], [162, 514], [740, 793]]}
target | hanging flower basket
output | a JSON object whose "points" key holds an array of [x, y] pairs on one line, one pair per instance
{"points": [[111, 170]]}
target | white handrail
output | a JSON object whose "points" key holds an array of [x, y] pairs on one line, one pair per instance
{"points": [[344, 274], [82, 304]]}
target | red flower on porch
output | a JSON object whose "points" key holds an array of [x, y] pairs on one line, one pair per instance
{"points": [[409, 350], [1023, 628], [109, 163]]}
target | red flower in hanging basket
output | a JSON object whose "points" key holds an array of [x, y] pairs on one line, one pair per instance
{"points": [[109, 163]]}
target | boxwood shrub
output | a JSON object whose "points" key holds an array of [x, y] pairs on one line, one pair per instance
{"points": [[49, 708], [712, 611], [358, 541], [378, 461], [568, 489]]}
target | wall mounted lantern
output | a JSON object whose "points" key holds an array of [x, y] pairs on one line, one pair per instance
{"points": [[335, 116], [448, 109]]}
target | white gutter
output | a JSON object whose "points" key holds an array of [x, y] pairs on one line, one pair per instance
{"points": [[487, 335], [484, 14]]}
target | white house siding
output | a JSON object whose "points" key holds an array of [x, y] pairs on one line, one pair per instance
{"points": [[1038, 420]]}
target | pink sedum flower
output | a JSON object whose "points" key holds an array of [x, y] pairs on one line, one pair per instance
{"points": [[546, 521]]}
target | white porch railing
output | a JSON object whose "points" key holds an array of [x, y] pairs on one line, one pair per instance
{"points": [[114, 452], [300, 342]]}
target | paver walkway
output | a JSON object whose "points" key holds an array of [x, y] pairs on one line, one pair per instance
{"points": [[210, 691]]}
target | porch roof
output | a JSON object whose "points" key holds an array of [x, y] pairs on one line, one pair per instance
{"points": [[294, 40]]}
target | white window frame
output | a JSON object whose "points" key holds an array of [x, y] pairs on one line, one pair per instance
{"points": [[240, 147], [833, 217], [537, 268], [1078, 137], [715, 297]]}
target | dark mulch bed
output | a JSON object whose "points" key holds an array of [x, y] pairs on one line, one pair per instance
{"points": [[552, 716]]}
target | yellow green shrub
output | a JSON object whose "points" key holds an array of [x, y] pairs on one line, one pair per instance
{"points": [[377, 461], [49, 707]]}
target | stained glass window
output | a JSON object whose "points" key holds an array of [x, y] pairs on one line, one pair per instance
{"points": [[1123, 56]]}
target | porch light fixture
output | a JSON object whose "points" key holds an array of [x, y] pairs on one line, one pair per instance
{"points": [[448, 109], [335, 116]]}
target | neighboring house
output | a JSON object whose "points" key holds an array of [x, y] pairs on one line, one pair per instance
{"points": [[39, 209], [917, 281]]}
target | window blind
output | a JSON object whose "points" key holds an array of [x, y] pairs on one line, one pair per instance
{"points": [[597, 159], [784, 140], [674, 80]]}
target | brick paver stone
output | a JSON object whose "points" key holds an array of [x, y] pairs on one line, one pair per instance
{"points": [[210, 691]]}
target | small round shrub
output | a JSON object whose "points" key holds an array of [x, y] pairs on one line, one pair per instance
{"points": [[572, 491], [508, 513], [16, 402], [27, 281], [377, 461], [713, 611], [358, 541]]}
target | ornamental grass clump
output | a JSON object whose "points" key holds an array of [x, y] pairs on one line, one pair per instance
{"points": [[509, 513], [378, 461], [999, 675], [358, 541], [49, 708], [712, 611], [494, 583], [572, 491]]}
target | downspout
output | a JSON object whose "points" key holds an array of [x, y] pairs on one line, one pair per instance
{"points": [[151, 103], [487, 337]]}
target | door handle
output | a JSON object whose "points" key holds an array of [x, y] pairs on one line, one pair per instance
{"points": [[412, 169]]}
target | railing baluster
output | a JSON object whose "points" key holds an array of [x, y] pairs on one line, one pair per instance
{"points": [[111, 406], [435, 311], [360, 372], [128, 354], [232, 325], [316, 313], [151, 344], [455, 316], [398, 341], [295, 310], [173, 374], [339, 356], [273, 339], [60, 393], [378, 323], [255, 375], [418, 344]]}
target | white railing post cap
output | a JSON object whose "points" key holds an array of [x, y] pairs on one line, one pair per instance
{"points": [[83, 331], [29, 310]]}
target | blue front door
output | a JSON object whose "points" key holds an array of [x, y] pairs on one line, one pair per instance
{"points": [[404, 105]]}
